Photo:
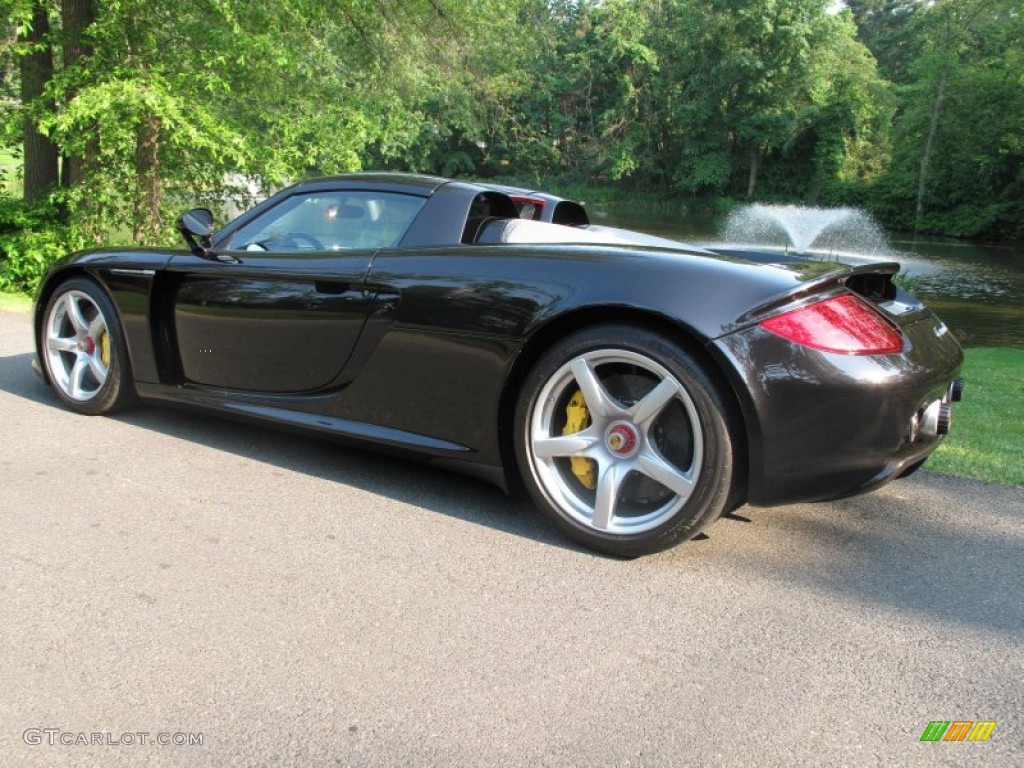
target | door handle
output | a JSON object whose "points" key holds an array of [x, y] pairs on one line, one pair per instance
{"points": [[326, 286]]}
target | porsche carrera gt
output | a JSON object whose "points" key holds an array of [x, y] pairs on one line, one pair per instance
{"points": [[637, 387]]}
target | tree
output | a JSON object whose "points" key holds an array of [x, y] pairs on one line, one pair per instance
{"points": [[39, 152], [958, 163], [152, 103], [845, 125], [76, 18], [886, 27], [159, 98]]}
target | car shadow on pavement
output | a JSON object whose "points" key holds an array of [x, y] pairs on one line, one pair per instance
{"points": [[944, 549], [17, 378], [399, 479]]}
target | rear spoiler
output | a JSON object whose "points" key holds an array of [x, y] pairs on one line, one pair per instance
{"points": [[870, 281]]}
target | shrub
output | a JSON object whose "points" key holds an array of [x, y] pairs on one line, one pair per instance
{"points": [[32, 237]]}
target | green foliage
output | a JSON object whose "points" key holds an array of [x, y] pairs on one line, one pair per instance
{"points": [[959, 138], [713, 99], [887, 28], [29, 243], [174, 94], [702, 98]]}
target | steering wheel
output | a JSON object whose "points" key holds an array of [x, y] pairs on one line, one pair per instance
{"points": [[296, 239]]}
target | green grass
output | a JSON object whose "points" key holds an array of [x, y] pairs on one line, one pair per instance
{"points": [[14, 302], [987, 438]]}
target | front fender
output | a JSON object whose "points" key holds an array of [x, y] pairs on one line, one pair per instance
{"points": [[128, 277]]}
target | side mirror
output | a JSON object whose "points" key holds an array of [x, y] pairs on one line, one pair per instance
{"points": [[197, 223]]}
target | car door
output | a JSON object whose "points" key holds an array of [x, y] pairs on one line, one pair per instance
{"points": [[282, 308]]}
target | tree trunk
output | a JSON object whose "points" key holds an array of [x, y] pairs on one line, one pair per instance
{"points": [[76, 16], [755, 164], [148, 193], [929, 145], [40, 171]]}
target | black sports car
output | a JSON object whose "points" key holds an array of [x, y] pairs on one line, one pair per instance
{"points": [[638, 391]]}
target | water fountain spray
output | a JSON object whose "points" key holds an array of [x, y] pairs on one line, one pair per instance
{"points": [[806, 229]]}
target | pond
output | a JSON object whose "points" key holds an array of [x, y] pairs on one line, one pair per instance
{"points": [[977, 289]]}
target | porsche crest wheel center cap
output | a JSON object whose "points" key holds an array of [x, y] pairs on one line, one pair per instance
{"points": [[621, 439]]}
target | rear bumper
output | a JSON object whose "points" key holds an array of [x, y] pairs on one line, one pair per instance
{"points": [[823, 426]]}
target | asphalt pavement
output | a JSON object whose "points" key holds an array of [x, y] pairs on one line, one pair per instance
{"points": [[171, 577]]}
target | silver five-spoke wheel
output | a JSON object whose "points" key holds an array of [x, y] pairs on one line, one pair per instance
{"points": [[621, 437], [644, 473], [82, 348], [77, 346]]}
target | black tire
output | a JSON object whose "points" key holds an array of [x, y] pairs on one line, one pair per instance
{"points": [[83, 350], [656, 417]]}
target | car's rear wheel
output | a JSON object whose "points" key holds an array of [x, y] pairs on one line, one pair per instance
{"points": [[622, 438], [84, 351]]}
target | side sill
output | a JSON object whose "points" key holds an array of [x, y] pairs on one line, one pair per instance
{"points": [[284, 417], [407, 445]]}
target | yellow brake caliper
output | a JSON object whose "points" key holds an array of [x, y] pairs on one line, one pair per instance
{"points": [[105, 349], [577, 418]]}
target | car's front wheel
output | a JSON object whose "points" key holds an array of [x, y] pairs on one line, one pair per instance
{"points": [[83, 349], [622, 438]]}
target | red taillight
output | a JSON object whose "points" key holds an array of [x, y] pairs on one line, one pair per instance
{"points": [[844, 324]]}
